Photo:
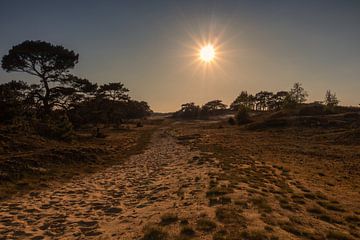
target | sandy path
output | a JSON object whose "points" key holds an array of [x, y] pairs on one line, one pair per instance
{"points": [[115, 203]]}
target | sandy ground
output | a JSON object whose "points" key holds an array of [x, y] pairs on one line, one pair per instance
{"points": [[199, 181], [115, 203]]}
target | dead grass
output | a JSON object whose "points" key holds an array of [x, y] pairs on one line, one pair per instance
{"points": [[230, 215], [262, 204], [154, 232], [40, 160], [168, 218], [187, 231], [275, 173], [337, 235], [205, 224], [331, 206]]}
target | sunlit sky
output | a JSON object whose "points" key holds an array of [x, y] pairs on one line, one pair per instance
{"points": [[153, 46]]}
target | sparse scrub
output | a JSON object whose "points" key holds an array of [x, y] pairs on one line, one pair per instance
{"points": [[294, 229], [254, 235], [315, 210], [230, 215], [242, 116], [205, 224], [353, 219], [153, 232], [168, 218], [187, 231], [261, 203], [59, 128], [331, 206], [231, 121], [218, 191], [337, 235]]}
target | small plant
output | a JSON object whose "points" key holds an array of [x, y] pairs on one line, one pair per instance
{"points": [[153, 232], [262, 204], [168, 218], [254, 235], [55, 128], [330, 206], [221, 235], [205, 224], [184, 222], [230, 215], [336, 235], [187, 231], [315, 210]]}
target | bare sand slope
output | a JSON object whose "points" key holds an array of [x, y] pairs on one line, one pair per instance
{"points": [[115, 203]]}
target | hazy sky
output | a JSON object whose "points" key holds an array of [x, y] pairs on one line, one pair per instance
{"points": [[151, 46]]}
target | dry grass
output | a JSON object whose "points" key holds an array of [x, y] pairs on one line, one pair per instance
{"points": [[168, 218], [29, 162], [205, 224], [153, 232], [280, 179]]}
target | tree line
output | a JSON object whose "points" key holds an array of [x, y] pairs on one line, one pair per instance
{"points": [[261, 101], [58, 93]]}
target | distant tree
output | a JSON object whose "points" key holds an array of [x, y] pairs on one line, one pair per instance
{"points": [[213, 107], [135, 109], [75, 91], [244, 99], [188, 110], [251, 101], [298, 94], [48, 62], [113, 91], [242, 116], [289, 102], [330, 99], [277, 101], [263, 100], [14, 100]]}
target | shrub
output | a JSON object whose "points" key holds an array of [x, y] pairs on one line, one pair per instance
{"points": [[152, 232], [55, 128], [168, 218], [231, 121], [187, 231], [205, 224], [312, 110], [242, 116]]}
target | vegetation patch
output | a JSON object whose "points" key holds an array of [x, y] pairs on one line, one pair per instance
{"points": [[205, 224], [153, 232], [187, 231], [337, 235], [262, 204], [230, 215], [168, 218], [331, 206]]}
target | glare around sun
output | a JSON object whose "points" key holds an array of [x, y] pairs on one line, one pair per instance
{"points": [[207, 53]]}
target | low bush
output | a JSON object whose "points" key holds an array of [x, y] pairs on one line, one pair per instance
{"points": [[55, 128], [242, 116]]}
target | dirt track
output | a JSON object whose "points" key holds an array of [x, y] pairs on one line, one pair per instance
{"points": [[115, 203], [222, 192]]}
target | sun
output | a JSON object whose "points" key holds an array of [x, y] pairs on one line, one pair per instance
{"points": [[207, 53]]}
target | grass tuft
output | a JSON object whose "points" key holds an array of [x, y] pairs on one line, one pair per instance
{"points": [[153, 232], [168, 218], [205, 224]]}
